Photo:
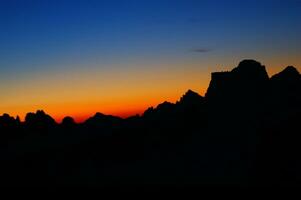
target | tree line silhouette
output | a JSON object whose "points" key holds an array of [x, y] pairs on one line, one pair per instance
{"points": [[245, 131]]}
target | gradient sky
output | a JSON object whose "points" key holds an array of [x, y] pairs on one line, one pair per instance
{"points": [[120, 57]]}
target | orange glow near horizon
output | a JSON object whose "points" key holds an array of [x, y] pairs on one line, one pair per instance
{"points": [[82, 111], [127, 92], [77, 58], [81, 93]]}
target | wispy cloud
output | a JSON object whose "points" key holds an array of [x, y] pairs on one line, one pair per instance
{"points": [[201, 50]]}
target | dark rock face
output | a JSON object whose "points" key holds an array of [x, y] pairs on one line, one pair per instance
{"points": [[6, 120], [68, 122], [280, 130], [100, 118], [250, 71], [219, 84], [285, 91], [245, 131], [236, 101], [287, 84], [39, 120], [191, 97], [248, 79], [289, 75]]}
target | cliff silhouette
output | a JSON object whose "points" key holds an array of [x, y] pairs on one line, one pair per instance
{"points": [[245, 131]]}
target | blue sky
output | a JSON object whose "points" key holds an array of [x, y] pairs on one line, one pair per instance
{"points": [[41, 38], [46, 32]]}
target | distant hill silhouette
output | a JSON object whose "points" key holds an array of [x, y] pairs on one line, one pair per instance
{"points": [[245, 131]]}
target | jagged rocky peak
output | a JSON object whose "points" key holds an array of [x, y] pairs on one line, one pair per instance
{"points": [[5, 115], [248, 75], [40, 113], [165, 106], [291, 69], [190, 94], [39, 119], [102, 119], [250, 69], [99, 115], [290, 73], [162, 109], [6, 118], [189, 97], [148, 111], [67, 121]]}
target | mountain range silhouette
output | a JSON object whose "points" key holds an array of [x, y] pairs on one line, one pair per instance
{"points": [[245, 131]]}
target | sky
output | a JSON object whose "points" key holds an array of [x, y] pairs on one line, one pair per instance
{"points": [[77, 58]]}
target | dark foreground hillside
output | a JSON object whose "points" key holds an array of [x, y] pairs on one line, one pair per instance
{"points": [[245, 131]]}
